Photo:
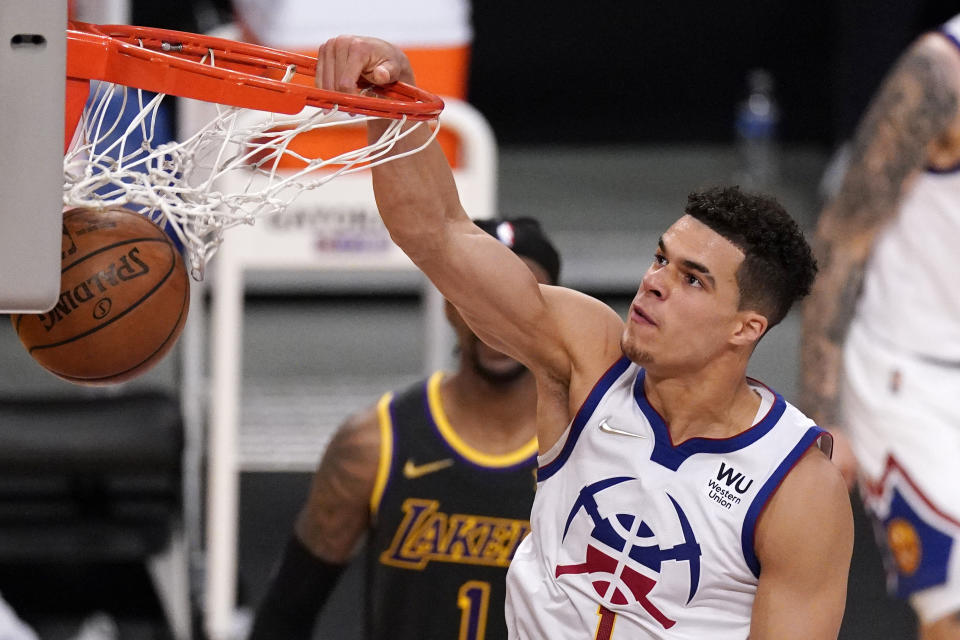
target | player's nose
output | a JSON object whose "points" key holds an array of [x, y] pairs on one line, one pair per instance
{"points": [[654, 283]]}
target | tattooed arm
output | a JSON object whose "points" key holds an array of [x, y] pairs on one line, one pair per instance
{"points": [[915, 109], [333, 520]]}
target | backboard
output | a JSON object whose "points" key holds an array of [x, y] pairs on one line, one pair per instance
{"points": [[32, 87]]}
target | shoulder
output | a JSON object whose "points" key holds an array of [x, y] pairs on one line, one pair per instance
{"points": [[369, 433], [942, 49], [343, 488], [933, 60], [804, 545], [810, 509], [365, 419], [944, 41], [358, 438], [412, 391], [815, 471], [379, 416], [919, 95], [591, 329], [565, 299]]}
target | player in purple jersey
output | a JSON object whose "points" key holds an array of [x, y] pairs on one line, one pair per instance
{"points": [[439, 480]]}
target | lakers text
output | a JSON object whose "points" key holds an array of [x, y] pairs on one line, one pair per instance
{"points": [[426, 534]]}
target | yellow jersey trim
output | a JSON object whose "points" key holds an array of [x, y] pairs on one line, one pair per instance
{"points": [[461, 447], [386, 452]]}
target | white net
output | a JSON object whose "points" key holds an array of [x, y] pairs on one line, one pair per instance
{"points": [[113, 162]]}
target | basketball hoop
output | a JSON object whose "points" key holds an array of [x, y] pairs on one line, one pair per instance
{"points": [[265, 98]]}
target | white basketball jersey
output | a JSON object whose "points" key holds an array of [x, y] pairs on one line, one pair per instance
{"points": [[910, 296], [634, 537]]}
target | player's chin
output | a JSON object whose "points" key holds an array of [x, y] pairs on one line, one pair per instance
{"points": [[635, 350], [499, 370]]}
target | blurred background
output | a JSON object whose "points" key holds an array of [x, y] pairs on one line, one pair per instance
{"points": [[606, 115]]}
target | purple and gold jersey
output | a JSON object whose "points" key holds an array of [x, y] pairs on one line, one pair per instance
{"points": [[634, 537], [447, 520]]}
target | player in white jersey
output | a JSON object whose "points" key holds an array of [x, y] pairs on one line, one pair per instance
{"points": [[881, 345], [623, 517], [637, 529]]}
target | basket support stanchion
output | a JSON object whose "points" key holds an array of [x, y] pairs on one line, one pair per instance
{"points": [[223, 479]]}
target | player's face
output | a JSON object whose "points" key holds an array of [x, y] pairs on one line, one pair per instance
{"points": [[685, 311], [490, 364]]}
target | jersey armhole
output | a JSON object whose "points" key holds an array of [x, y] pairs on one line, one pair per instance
{"points": [[385, 423], [554, 461], [811, 438], [825, 443]]}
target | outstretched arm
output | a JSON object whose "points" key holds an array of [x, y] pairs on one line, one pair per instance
{"points": [[916, 105], [418, 201], [334, 518]]}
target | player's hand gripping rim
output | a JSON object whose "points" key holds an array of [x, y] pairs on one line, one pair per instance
{"points": [[345, 62]]}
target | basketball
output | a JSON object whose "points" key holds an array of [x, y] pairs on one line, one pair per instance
{"points": [[124, 297]]}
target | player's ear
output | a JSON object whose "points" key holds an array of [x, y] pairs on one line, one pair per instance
{"points": [[750, 328]]}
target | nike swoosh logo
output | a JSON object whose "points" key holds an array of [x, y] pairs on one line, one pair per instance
{"points": [[411, 470], [606, 428]]}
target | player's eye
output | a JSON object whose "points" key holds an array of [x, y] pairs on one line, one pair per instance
{"points": [[659, 259], [693, 280]]}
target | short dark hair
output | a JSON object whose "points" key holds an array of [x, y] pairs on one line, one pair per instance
{"points": [[778, 266]]}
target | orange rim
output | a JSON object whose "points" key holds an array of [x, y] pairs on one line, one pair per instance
{"points": [[246, 75]]}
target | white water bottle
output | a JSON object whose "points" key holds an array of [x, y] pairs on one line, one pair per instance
{"points": [[756, 124]]}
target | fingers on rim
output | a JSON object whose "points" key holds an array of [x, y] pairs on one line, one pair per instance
{"points": [[330, 67], [343, 60], [346, 66]]}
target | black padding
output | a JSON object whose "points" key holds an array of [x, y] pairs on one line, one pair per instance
{"points": [[92, 479], [137, 431]]}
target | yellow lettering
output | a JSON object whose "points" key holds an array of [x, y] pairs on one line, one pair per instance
{"points": [[426, 534]]}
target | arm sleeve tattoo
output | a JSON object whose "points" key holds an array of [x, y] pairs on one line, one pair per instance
{"points": [[915, 104]]}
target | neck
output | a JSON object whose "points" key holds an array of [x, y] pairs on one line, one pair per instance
{"points": [[493, 417], [713, 402]]}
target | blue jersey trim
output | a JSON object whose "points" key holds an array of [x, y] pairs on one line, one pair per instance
{"points": [[583, 415], [763, 496], [949, 171], [670, 456], [949, 36]]}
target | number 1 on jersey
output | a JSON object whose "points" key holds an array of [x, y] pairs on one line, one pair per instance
{"points": [[605, 626], [473, 600]]}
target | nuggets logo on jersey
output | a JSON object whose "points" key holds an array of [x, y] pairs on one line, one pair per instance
{"points": [[624, 555], [904, 543]]}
